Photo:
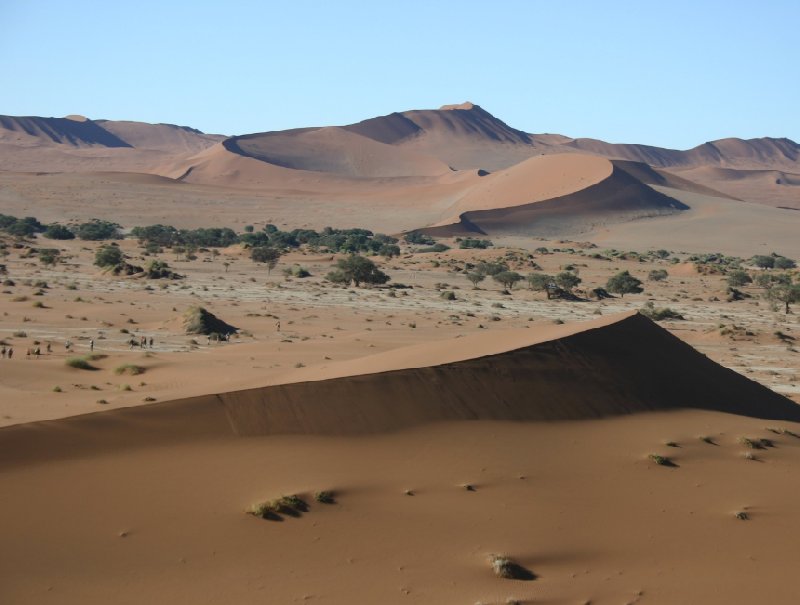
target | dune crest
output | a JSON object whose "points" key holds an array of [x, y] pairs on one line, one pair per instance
{"points": [[611, 366]]}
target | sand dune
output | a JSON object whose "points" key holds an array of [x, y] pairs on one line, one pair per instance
{"points": [[731, 152], [31, 130], [607, 367], [163, 137], [334, 150], [769, 187], [618, 198], [534, 180]]}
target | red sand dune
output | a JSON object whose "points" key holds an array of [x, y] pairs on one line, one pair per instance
{"points": [[611, 366], [618, 198]]}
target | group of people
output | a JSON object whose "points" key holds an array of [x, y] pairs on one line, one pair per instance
{"points": [[143, 342], [7, 351]]}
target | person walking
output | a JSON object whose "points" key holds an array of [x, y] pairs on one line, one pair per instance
{"points": [[91, 345], [10, 352]]}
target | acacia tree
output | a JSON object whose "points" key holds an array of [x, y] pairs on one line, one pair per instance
{"points": [[784, 292], [266, 254], [624, 283], [538, 282], [507, 278], [357, 269], [475, 278], [567, 281]]}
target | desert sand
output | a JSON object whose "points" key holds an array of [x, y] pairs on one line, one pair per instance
{"points": [[425, 425]]}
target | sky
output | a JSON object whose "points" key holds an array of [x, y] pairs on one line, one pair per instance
{"points": [[672, 74]]}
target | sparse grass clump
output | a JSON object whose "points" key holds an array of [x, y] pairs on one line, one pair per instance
{"points": [[57, 389], [263, 509], [79, 363], [756, 444], [289, 505], [324, 497], [129, 368], [659, 314], [661, 460]]}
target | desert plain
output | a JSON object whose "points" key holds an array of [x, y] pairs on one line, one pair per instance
{"points": [[429, 439]]}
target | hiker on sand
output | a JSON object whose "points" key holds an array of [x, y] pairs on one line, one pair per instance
{"points": [[151, 342], [91, 345], [3, 352], [10, 352], [49, 348]]}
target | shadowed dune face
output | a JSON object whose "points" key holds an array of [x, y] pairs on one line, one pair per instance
{"points": [[334, 150], [607, 367], [616, 199], [32, 130]]}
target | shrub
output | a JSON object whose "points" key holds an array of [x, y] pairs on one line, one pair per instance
{"points": [[507, 568], [80, 363], [416, 237], [657, 275], [435, 248], [470, 242], [738, 278], [129, 368], [96, 230], [59, 232], [108, 256], [624, 283], [324, 497], [659, 314], [661, 460]]}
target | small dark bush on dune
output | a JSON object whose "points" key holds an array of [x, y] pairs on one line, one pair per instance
{"points": [[79, 363], [509, 569]]}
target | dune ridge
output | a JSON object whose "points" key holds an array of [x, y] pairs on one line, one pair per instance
{"points": [[612, 366], [620, 197]]}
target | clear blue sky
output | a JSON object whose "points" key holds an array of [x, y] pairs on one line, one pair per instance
{"points": [[672, 74]]}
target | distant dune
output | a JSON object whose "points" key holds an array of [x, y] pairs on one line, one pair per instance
{"points": [[33, 130], [334, 150], [456, 169], [619, 197], [162, 137]]}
